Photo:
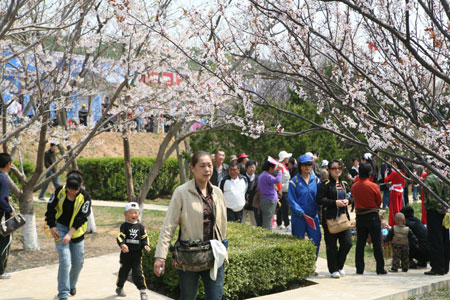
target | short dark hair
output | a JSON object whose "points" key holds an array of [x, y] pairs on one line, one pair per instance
{"points": [[250, 163], [5, 158], [232, 165], [74, 179], [353, 159], [219, 150], [365, 170], [267, 165], [315, 152], [197, 155], [52, 144], [292, 161], [338, 161]]}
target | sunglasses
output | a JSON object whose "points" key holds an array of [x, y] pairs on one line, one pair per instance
{"points": [[307, 164], [336, 168]]}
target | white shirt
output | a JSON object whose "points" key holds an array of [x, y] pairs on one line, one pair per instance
{"points": [[234, 193]]}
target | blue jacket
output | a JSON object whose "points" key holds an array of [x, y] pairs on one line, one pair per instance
{"points": [[302, 196]]}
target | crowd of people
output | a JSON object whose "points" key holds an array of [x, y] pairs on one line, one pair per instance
{"points": [[300, 195]]}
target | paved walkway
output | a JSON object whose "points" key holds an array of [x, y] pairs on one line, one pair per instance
{"points": [[98, 277]]}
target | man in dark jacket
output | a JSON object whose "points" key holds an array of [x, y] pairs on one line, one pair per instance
{"points": [[421, 251], [220, 169], [83, 115], [49, 159]]}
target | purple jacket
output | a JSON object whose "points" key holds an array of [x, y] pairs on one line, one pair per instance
{"points": [[266, 185]]}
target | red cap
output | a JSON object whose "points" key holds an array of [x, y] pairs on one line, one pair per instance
{"points": [[242, 155]]}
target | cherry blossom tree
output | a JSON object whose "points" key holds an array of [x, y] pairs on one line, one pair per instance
{"points": [[376, 70], [54, 52]]}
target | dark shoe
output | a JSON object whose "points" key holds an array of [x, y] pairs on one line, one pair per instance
{"points": [[432, 273], [404, 270], [383, 272], [73, 291], [359, 272], [144, 296], [63, 299], [393, 270], [120, 292], [421, 264], [412, 264]]}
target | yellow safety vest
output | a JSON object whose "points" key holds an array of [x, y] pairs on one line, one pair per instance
{"points": [[79, 201]]}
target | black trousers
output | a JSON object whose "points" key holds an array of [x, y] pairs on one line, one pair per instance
{"points": [[131, 260], [422, 254], [5, 244], [258, 217], [283, 212], [439, 242], [336, 256], [234, 216], [365, 225]]}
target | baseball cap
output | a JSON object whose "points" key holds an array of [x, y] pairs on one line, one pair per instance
{"points": [[304, 158], [324, 163], [131, 205]]}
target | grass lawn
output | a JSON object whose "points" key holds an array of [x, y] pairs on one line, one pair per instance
{"points": [[437, 295]]}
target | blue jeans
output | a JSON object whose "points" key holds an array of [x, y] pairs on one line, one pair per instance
{"points": [[189, 284], [71, 259], [55, 184]]}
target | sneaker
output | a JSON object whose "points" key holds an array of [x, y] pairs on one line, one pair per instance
{"points": [[404, 269], [342, 273], [383, 272], [41, 199], [63, 299], [5, 276], [280, 227], [336, 275], [144, 296], [120, 292], [73, 291], [288, 228]]}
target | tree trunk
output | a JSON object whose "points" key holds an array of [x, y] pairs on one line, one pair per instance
{"points": [[128, 170], [160, 159], [187, 148], [181, 165], [91, 227], [29, 232]]}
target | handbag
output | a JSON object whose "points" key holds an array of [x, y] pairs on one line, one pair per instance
{"points": [[12, 224], [195, 256], [339, 224]]}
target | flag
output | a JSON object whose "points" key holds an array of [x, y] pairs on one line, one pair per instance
{"points": [[310, 221]]}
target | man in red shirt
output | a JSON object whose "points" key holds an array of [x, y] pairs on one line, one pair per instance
{"points": [[367, 197]]}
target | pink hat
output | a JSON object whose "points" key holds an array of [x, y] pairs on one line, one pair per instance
{"points": [[242, 155]]}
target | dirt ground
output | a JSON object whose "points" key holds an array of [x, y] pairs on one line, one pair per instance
{"points": [[109, 144]]}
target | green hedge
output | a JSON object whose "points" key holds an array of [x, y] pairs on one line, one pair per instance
{"points": [[261, 263], [104, 178]]}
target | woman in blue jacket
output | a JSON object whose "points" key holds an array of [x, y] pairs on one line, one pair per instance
{"points": [[302, 195]]}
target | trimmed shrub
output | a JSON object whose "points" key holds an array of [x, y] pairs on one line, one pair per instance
{"points": [[104, 178], [260, 262]]}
